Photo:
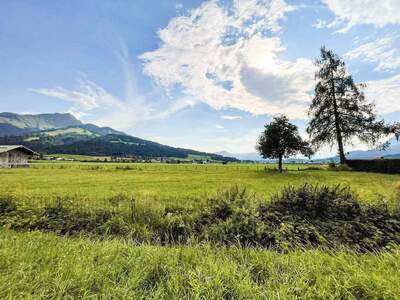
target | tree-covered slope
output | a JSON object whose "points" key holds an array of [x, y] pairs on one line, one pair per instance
{"points": [[49, 135]]}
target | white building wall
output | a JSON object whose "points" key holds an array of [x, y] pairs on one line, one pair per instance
{"points": [[13, 158], [4, 160]]}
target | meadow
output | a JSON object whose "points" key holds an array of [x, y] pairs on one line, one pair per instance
{"points": [[54, 259], [178, 184]]}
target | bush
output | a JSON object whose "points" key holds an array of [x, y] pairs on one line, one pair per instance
{"points": [[7, 204], [389, 166], [298, 217], [317, 203]]}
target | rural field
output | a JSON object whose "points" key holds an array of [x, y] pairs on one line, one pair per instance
{"points": [[179, 184], [202, 149], [43, 257]]}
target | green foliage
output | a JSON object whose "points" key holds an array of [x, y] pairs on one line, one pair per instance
{"points": [[307, 216], [389, 166], [7, 204], [229, 218], [339, 110], [317, 203], [281, 139]]}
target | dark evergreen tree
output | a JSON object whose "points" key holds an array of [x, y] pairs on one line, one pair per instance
{"points": [[280, 139], [339, 110]]}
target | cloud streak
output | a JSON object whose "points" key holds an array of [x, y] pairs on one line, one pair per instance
{"points": [[225, 117], [385, 52]]}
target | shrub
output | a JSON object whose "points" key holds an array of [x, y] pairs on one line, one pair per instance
{"points": [[390, 166], [7, 204], [317, 202], [306, 217]]}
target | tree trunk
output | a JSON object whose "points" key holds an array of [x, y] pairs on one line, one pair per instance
{"points": [[280, 163], [339, 138]]}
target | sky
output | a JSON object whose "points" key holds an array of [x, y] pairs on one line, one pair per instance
{"points": [[205, 75]]}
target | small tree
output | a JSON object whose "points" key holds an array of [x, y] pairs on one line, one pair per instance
{"points": [[280, 139], [339, 110]]}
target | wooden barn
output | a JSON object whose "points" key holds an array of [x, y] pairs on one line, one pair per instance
{"points": [[15, 156]]}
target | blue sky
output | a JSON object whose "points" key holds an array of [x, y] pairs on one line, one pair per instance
{"points": [[201, 74]]}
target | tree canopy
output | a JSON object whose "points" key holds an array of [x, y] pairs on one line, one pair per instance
{"points": [[339, 111], [281, 139]]}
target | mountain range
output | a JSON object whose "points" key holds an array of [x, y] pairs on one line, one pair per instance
{"points": [[64, 134], [392, 152]]}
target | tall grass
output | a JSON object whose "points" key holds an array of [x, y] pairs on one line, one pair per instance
{"points": [[300, 217], [36, 265]]}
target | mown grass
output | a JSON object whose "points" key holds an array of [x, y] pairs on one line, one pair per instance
{"points": [[37, 265], [183, 185]]}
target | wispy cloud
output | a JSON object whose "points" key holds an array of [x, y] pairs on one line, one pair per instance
{"points": [[385, 93], [384, 51], [89, 98], [87, 95], [229, 58]]}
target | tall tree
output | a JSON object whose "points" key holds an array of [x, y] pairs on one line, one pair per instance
{"points": [[280, 139], [339, 110]]}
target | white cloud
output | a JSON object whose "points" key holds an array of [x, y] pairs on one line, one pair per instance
{"points": [[385, 93], [87, 95], [356, 12], [228, 58], [225, 117], [384, 51]]}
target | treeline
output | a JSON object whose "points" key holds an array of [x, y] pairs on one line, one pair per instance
{"points": [[388, 166]]}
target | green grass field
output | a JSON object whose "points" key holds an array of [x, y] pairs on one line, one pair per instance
{"points": [[44, 265], [183, 185]]}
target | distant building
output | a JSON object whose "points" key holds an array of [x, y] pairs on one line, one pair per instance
{"points": [[15, 156]]}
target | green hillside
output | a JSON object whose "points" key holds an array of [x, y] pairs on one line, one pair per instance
{"points": [[15, 124], [63, 134]]}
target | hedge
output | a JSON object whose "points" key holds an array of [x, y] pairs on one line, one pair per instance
{"points": [[390, 166]]}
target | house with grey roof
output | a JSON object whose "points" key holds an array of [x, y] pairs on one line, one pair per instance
{"points": [[15, 156]]}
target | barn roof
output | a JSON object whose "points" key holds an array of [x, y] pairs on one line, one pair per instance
{"points": [[6, 148]]}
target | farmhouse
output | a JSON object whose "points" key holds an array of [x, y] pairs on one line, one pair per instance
{"points": [[15, 156]]}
